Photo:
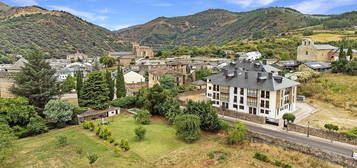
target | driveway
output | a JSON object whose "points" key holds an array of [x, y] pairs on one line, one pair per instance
{"points": [[303, 111]]}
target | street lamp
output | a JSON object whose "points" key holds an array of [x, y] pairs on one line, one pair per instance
{"points": [[308, 128]]}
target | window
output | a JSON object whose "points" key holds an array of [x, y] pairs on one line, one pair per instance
{"points": [[214, 95], [262, 103], [214, 87], [241, 91], [266, 104], [262, 94], [261, 111], [267, 94], [307, 53], [217, 87], [235, 99], [252, 102], [241, 107], [235, 106], [217, 95], [266, 111], [241, 100], [252, 92], [210, 88], [209, 95], [235, 90]]}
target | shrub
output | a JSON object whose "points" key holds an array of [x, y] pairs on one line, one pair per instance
{"points": [[217, 155], [62, 140], [117, 151], [236, 133], [92, 158], [91, 126], [286, 165], [188, 127], [86, 124], [278, 162], [261, 156], [124, 144], [103, 132], [140, 132], [331, 127], [224, 125], [79, 151], [142, 117], [351, 134], [124, 102], [289, 117], [111, 139]]}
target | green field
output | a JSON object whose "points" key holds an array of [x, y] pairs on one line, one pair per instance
{"points": [[160, 148]]}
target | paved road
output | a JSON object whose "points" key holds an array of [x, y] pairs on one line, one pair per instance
{"points": [[323, 144]]}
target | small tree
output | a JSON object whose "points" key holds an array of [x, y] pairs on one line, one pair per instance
{"points": [[92, 158], [140, 132], [188, 127], [107, 61], [69, 84], [95, 92], [110, 84], [142, 117], [79, 83], [124, 144], [59, 111], [120, 83], [289, 117], [342, 54], [167, 81], [236, 133]]}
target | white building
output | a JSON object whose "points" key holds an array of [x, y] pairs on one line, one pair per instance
{"points": [[254, 88], [254, 55], [133, 77]]}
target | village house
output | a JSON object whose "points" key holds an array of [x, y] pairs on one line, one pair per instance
{"points": [[71, 69], [309, 51], [128, 58], [77, 57], [253, 87], [7, 75], [254, 55], [134, 82], [92, 114], [155, 74]]}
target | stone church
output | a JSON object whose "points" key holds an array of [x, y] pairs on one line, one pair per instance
{"points": [[309, 51]]}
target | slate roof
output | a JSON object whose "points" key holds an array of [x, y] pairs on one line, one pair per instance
{"points": [[199, 82], [246, 65], [318, 65], [266, 81], [324, 47]]}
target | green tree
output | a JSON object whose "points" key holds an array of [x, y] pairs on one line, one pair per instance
{"points": [[7, 139], [107, 61], [188, 127], [140, 132], [36, 126], [167, 81], [236, 134], [350, 53], [59, 111], [36, 81], [152, 97], [142, 117], [120, 83], [124, 102], [342, 54], [79, 84], [69, 84], [331, 127], [208, 115], [110, 84], [289, 117], [201, 74], [92, 158], [95, 92], [170, 109]]}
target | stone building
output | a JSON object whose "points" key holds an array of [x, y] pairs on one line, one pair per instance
{"points": [[142, 51], [7, 75], [254, 88], [77, 56], [155, 74], [309, 51]]}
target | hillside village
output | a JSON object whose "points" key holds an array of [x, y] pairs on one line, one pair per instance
{"points": [[190, 106]]}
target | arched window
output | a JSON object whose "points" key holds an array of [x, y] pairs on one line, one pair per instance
{"points": [[307, 53]]}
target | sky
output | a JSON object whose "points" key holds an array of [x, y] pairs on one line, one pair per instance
{"points": [[118, 14]]}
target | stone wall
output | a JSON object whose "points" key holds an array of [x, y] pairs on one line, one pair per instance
{"points": [[314, 152], [335, 136], [243, 116], [5, 84]]}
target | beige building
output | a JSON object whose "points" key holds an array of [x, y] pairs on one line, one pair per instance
{"points": [[142, 51], [309, 51], [77, 56], [7, 75], [155, 74]]}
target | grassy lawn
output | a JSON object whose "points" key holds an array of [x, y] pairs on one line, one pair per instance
{"points": [[160, 148], [193, 96], [335, 97]]}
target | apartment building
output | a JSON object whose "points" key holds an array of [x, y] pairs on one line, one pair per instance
{"points": [[252, 87]]}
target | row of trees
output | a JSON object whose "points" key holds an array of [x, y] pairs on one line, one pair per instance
{"points": [[344, 65]]}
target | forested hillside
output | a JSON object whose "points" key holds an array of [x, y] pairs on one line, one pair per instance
{"points": [[55, 32]]}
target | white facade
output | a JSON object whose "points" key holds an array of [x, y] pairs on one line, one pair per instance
{"points": [[133, 77], [253, 101]]}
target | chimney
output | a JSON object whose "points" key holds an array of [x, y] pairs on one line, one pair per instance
{"points": [[270, 75], [245, 75]]}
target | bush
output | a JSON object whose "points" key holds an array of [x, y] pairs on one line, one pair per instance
{"points": [[124, 102], [236, 133], [103, 132], [124, 144], [188, 127], [140, 132], [111, 139], [224, 125], [261, 156], [117, 151], [289, 117], [142, 117], [36, 126], [217, 155], [350, 134], [331, 127], [92, 158], [286, 165], [86, 124], [62, 140], [278, 163]]}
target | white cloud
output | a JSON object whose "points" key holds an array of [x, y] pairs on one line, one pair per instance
{"points": [[115, 27], [25, 2], [87, 15], [320, 6], [250, 3]]}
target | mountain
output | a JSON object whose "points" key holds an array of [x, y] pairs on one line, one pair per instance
{"points": [[56, 32], [216, 26]]}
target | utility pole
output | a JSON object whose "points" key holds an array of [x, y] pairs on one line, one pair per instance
{"points": [[308, 128]]}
